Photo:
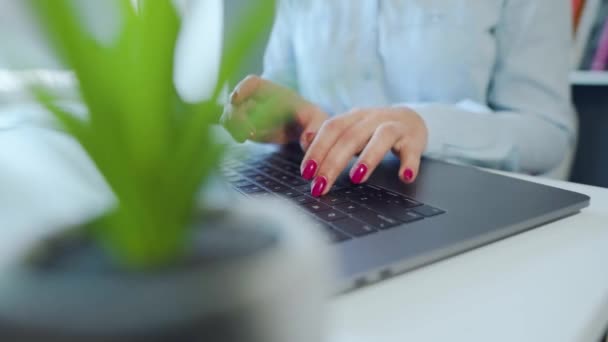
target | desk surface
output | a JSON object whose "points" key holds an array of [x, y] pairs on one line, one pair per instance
{"points": [[548, 284]]}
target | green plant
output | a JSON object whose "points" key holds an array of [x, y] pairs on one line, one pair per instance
{"points": [[153, 149]]}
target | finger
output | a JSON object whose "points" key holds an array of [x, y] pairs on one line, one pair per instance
{"points": [[311, 123], [236, 121], [329, 132], [382, 141], [410, 161], [250, 87], [338, 157], [266, 117]]}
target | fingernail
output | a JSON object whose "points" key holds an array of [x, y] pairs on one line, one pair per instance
{"points": [[309, 137], [309, 169], [318, 186], [358, 173], [233, 96], [408, 174]]}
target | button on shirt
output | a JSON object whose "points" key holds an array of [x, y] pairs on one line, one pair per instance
{"points": [[489, 77]]}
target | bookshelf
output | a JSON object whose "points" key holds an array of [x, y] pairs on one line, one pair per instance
{"points": [[590, 90]]}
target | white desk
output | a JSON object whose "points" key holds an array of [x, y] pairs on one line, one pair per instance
{"points": [[549, 284]]}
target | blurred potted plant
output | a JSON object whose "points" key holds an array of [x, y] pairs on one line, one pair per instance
{"points": [[158, 266]]}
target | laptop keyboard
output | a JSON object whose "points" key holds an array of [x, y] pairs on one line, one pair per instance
{"points": [[347, 212]]}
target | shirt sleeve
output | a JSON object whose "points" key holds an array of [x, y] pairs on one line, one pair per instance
{"points": [[528, 124], [279, 58]]}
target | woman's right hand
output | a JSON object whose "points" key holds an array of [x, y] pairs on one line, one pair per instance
{"points": [[263, 111]]}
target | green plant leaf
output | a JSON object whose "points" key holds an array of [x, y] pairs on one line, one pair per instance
{"points": [[154, 150]]}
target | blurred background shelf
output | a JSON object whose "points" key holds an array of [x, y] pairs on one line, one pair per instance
{"points": [[589, 78]]}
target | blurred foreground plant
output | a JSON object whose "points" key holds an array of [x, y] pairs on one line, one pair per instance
{"points": [[153, 149]]}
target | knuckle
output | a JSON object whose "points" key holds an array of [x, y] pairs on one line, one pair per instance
{"points": [[351, 137], [334, 124], [251, 78], [329, 169], [355, 111], [390, 129]]}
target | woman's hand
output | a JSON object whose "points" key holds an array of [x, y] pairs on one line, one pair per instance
{"points": [[263, 111], [370, 132]]}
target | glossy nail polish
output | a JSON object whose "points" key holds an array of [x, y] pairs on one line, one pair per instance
{"points": [[408, 175], [318, 186], [309, 169], [358, 173]]}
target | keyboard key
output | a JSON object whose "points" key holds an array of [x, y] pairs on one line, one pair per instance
{"points": [[354, 227], [292, 157], [277, 188], [408, 216], [348, 207], [377, 220], [263, 194], [266, 169], [297, 181], [284, 178], [347, 192], [391, 210], [305, 188], [316, 207], [242, 183], [303, 199], [381, 206], [289, 193], [330, 215], [360, 187], [404, 202], [275, 173], [291, 170], [362, 198], [428, 211], [268, 183], [259, 178], [249, 189], [370, 190], [333, 199], [277, 160]]}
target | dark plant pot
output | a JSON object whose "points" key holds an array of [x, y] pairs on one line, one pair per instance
{"points": [[256, 274]]}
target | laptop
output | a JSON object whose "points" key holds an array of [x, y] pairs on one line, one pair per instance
{"points": [[385, 227]]}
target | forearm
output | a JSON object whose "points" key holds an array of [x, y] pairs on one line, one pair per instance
{"points": [[512, 141]]}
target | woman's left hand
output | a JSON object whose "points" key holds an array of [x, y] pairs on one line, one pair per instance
{"points": [[371, 133]]}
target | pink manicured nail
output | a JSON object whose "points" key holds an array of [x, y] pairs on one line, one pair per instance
{"points": [[309, 137], [358, 173], [309, 169], [318, 186], [408, 175]]}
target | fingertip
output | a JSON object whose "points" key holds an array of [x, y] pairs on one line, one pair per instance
{"points": [[358, 173], [408, 175], [234, 97], [306, 140], [245, 89], [319, 187]]}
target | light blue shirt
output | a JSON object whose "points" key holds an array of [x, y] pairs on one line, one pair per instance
{"points": [[489, 77]]}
